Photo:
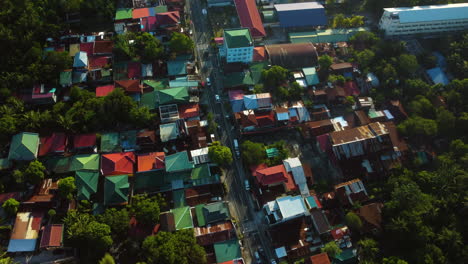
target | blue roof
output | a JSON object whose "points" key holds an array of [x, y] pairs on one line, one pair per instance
{"points": [[430, 13], [291, 206], [312, 202], [250, 101], [81, 59], [301, 14], [176, 67], [438, 76], [311, 76], [22, 245]]}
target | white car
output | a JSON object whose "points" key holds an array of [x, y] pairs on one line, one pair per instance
{"points": [[204, 11], [247, 185], [217, 98], [208, 82]]}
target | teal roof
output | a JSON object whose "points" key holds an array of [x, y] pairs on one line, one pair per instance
{"points": [[324, 36], [178, 162], [176, 67], [66, 78], [227, 250], [173, 95], [151, 180], [272, 152], [311, 76], [238, 38], [178, 196], [159, 84], [4, 164], [183, 83], [201, 175], [85, 162], [212, 213], [58, 165], [182, 218], [149, 100], [269, 16], [86, 184], [347, 256], [116, 189], [24, 146], [110, 142], [123, 13]]}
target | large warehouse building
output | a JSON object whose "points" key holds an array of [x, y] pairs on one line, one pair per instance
{"points": [[308, 14], [425, 20]]}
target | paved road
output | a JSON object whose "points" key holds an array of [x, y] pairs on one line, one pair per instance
{"points": [[250, 221]]}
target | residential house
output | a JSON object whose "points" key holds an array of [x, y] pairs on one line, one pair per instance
{"points": [[182, 218], [129, 86], [110, 142], [116, 190], [351, 192], [200, 156], [52, 237], [84, 142], [169, 132], [215, 233], [319, 221], [118, 163], [213, 213], [44, 195], [321, 258], [104, 90], [238, 45], [226, 251], [86, 184], [84, 162], [284, 209], [24, 147], [371, 216], [273, 176], [25, 232], [81, 60], [53, 144], [294, 166], [250, 18], [150, 161], [178, 162], [146, 139]]}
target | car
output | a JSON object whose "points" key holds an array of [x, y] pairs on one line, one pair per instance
{"points": [[208, 82], [217, 198], [273, 261], [247, 185], [204, 11], [217, 98], [190, 32], [257, 257]]}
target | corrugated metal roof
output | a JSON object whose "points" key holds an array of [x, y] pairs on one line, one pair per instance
{"points": [[298, 6], [430, 13], [249, 17]]}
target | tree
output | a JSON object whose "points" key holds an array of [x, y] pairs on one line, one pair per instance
{"points": [[295, 91], [407, 64], [336, 79], [393, 260], [332, 249], [34, 172], [365, 58], [253, 153], [349, 100], [368, 250], [180, 43], [117, 220], [325, 62], [219, 154], [51, 213], [148, 47], [145, 209], [421, 106], [353, 221], [107, 259], [415, 87], [275, 76], [445, 122], [364, 39], [11, 206], [173, 248], [67, 188], [6, 260]]}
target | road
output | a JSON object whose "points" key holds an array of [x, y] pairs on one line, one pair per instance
{"points": [[249, 221]]}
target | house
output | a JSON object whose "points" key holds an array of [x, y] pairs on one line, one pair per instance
{"points": [[316, 128], [424, 20], [227, 251], [53, 144], [84, 142], [25, 232], [188, 111], [65, 79], [342, 68], [292, 239], [292, 56], [52, 237], [152, 181], [311, 76], [284, 209], [168, 20], [201, 175], [167, 222], [118, 163], [182, 218], [294, 166], [308, 14], [250, 18], [168, 132], [321, 258], [42, 95], [104, 90], [265, 118], [146, 139], [212, 234], [319, 221], [173, 96], [178, 162], [24, 146], [116, 190], [272, 176], [44, 194], [259, 54], [130, 86], [110, 142], [209, 214], [150, 161], [351, 192], [84, 162], [86, 184], [80, 60], [200, 155], [238, 45], [371, 216]]}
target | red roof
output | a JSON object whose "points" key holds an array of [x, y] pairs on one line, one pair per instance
{"points": [[52, 236], [118, 163], [339, 233], [321, 258], [129, 85], [150, 161], [168, 18], [104, 90], [87, 47], [54, 143], [134, 70], [265, 119], [97, 62], [249, 17], [149, 23], [189, 110], [103, 47], [6, 196], [259, 54], [140, 12], [351, 88], [271, 175], [84, 141]]}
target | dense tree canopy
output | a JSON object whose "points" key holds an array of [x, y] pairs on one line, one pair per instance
{"points": [[180, 43], [117, 220], [220, 154], [67, 187], [145, 209], [332, 249], [340, 21], [275, 76], [253, 153], [11, 206]]}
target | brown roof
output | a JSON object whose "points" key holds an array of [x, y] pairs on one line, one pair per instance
{"points": [[292, 56], [213, 234], [362, 117], [52, 236], [321, 258], [372, 214], [167, 222], [292, 235], [397, 141], [43, 192], [146, 136], [350, 135], [332, 93], [341, 66], [129, 85], [103, 47], [378, 128], [320, 221]]}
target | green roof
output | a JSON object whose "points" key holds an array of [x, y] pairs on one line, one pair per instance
{"points": [[272, 152], [212, 213], [58, 165], [347, 256], [160, 9], [85, 162], [238, 38], [311, 76], [227, 250], [4, 164], [176, 67], [182, 218], [173, 95], [201, 175], [123, 13], [324, 36], [178, 196], [238, 79], [183, 83], [24, 146], [269, 16], [159, 84], [149, 100], [116, 189], [66, 78], [86, 184], [151, 180], [110, 142], [178, 162]]}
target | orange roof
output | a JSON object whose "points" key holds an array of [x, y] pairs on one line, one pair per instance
{"points": [[129, 85], [321, 258], [140, 12], [249, 17], [150, 161], [259, 54], [118, 163]]}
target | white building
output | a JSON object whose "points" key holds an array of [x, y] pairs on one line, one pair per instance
{"points": [[426, 20], [284, 209], [238, 45]]}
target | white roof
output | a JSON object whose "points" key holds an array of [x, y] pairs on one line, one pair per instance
{"points": [[168, 131], [430, 13], [291, 206], [294, 165], [200, 156], [298, 6]]}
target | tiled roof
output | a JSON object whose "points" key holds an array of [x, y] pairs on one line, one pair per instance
{"points": [[372, 214], [54, 143], [118, 163], [52, 236], [116, 189], [86, 184], [84, 141], [249, 17], [24, 146], [271, 175], [150, 161]]}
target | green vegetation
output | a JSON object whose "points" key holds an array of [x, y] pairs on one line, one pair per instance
{"points": [[220, 154], [141, 46], [332, 249], [67, 187], [253, 153], [11, 206], [340, 21], [117, 220], [107, 259], [274, 77], [353, 221], [180, 43], [145, 209]]}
